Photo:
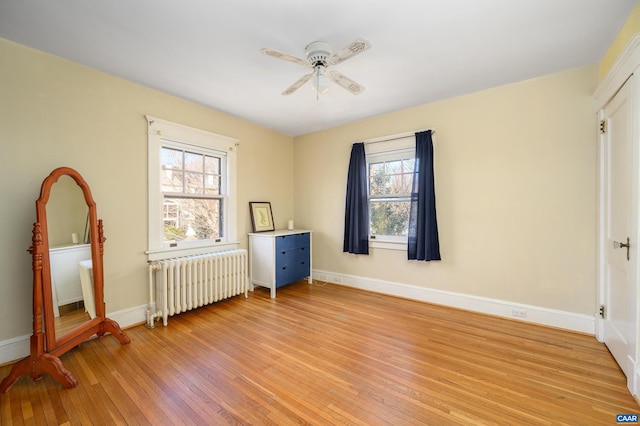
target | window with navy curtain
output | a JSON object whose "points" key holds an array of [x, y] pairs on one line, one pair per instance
{"points": [[356, 217], [423, 243]]}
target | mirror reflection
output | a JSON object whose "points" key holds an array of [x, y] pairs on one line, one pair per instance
{"points": [[70, 256]]}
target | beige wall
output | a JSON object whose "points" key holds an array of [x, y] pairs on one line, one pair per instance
{"points": [[56, 113], [629, 29], [516, 193]]}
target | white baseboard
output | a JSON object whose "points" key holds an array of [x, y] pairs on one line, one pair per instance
{"points": [[129, 317], [18, 347], [13, 349], [502, 308]]}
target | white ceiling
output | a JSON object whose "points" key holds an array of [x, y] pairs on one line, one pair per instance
{"points": [[207, 51]]}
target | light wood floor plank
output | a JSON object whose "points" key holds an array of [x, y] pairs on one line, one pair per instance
{"points": [[326, 354]]}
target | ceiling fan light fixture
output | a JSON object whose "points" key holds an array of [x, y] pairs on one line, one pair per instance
{"points": [[320, 82]]}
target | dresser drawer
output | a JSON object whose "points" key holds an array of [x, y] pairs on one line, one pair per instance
{"points": [[295, 255], [292, 272], [288, 242]]}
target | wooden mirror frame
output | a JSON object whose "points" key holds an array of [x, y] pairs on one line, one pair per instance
{"points": [[45, 347]]}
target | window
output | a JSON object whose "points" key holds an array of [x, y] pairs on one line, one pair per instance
{"points": [[390, 177], [191, 190]]}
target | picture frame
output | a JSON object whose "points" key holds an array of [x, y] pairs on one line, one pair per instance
{"points": [[261, 216]]}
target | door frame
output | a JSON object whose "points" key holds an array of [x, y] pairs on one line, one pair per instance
{"points": [[627, 64]]}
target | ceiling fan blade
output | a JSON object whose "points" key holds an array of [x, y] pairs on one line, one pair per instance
{"points": [[346, 82], [295, 86], [352, 49], [286, 57]]}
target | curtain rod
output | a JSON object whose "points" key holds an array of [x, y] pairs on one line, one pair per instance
{"points": [[397, 136]]}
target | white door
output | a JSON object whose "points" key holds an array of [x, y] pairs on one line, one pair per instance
{"points": [[619, 292]]}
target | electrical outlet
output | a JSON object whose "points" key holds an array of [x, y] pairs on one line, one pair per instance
{"points": [[518, 313]]}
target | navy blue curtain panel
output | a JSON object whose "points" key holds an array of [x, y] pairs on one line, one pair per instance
{"points": [[356, 215], [423, 224]]}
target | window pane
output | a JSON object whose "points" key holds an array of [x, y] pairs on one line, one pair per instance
{"points": [[212, 185], [192, 219], [407, 183], [376, 168], [172, 181], [407, 165], [407, 177], [389, 217], [170, 216], [393, 167], [396, 185], [171, 159], [377, 179], [171, 170], [193, 183], [193, 162], [211, 165]]}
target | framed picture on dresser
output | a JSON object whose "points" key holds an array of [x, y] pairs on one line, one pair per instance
{"points": [[261, 216]]}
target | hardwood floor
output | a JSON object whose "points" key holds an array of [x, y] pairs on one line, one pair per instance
{"points": [[330, 355]]}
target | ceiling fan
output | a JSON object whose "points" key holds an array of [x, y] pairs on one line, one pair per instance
{"points": [[320, 57]]}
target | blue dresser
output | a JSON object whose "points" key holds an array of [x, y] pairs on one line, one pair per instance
{"points": [[279, 258]]}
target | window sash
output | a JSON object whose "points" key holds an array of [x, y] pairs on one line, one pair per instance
{"points": [[400, 216], [208, 178], [186, 225]]}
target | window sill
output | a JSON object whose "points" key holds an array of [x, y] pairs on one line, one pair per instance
{"points": [[388, 245]]}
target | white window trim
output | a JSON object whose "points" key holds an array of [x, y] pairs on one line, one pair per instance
{"points": [[378, 149], [160, 133]]}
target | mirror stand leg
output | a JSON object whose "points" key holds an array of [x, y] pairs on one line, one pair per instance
{"points": [[52, 365], [20, 368], [36, 367], [110, 326]]}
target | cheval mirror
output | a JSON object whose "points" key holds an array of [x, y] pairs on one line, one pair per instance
{"points": [[68, 293]]}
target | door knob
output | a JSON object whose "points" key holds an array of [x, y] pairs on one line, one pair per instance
{"points": [[618, 244]]}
